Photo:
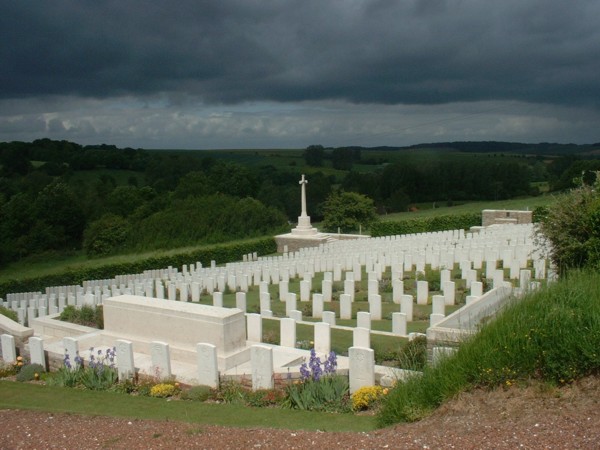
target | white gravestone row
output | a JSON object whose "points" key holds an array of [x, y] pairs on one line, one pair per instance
{"points": [[508, 245]]}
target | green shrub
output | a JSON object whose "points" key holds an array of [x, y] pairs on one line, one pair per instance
{"points": [[89, 316], [8, 369], [231, 392], [28, 372], [329, 393], [197, 393], [413, 356], [264, 397], [572, 225]]}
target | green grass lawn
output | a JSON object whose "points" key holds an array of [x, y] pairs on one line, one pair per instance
{"points": [[427, 209], [15, 395]]}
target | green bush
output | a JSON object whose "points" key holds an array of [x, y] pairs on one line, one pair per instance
{"points": [[197, 393], [329, 393], [572, 225], [413, 356], [28, 371], [89, 316]]}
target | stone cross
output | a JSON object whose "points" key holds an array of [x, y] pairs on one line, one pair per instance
{"points": [[303, 183]]}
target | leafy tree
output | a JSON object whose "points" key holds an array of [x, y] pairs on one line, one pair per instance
{"points": [[124, 200], [313, 155], [348, 211], [106, 235], [572, 227]]}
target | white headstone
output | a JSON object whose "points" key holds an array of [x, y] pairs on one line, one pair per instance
{"points": [[375, 306], [361, 368], [287, 328], [438, 303], [240, 301], [161, 359], [254, 327], [36, 351], [326, 288], [477, 288], [283, 289], [317, 306], [9, 350], [217, 299], [322, 338], [361, 337], [71, 346], [363, 319], [208, 372], [296, 315], [345, 307], [125, 364], [290, 303], [422, 292], [399, 324], [397, 290], [329, 317], [406, 306], [261, 359]]}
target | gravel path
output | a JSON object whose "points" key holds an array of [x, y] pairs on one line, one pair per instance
{"points": [[533, 418]]}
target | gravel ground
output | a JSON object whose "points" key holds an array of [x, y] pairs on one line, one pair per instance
{"points": [[536, 417]]}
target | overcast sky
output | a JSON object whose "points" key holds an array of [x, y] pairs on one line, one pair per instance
{"points": [[287, 74]]}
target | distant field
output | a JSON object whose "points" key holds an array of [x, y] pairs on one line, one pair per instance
{"points": [[427, 210]]}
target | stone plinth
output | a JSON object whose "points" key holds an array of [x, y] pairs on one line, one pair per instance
{"points": [[143, 320], [504, 216]]}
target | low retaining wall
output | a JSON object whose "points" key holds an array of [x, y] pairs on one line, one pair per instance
{"points": [[465, 322]]}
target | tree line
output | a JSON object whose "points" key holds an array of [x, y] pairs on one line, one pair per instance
{"points": [[59, 196]]}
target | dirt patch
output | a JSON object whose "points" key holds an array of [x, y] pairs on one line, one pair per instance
{"points": [[534, 417]]}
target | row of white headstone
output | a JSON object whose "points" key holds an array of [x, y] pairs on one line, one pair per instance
{"points": [[361, 361]]}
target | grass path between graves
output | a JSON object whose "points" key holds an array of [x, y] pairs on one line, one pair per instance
{"points": [[15, 395]]}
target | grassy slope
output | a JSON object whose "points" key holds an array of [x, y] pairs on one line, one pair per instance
{"points": [[552, 335], [16, 395]]}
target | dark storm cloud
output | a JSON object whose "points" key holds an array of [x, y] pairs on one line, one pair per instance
{"points": [[392, 52]]}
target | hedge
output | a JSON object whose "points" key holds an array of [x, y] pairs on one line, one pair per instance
{"points": [[222, 253], [426, 225]]}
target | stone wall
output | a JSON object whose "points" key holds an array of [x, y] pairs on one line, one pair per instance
{"points": [[504, 216]]}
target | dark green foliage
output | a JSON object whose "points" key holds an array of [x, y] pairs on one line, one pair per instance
{"points": [[28, 371], [413, 356], [330, 393], [208, 219], [348, 211], [89, 316], [313, 155], [572, 225], [106, 235], [424, 225], [197, 393]]}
